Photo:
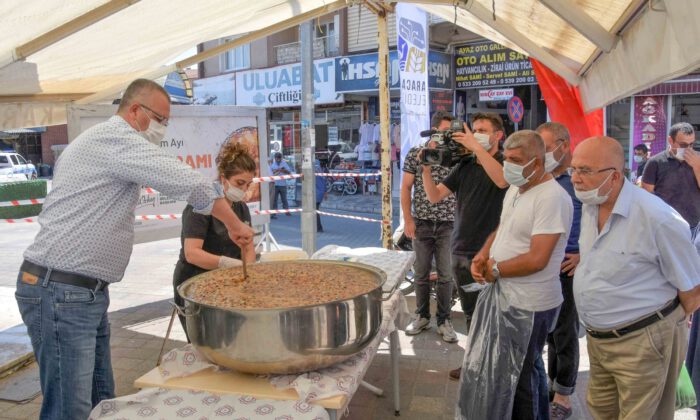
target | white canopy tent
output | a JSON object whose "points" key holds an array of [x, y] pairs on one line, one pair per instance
{"points": [[55, 52]]}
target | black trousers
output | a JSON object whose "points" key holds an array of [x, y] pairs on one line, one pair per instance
{"points": [[563, 353], [318, 217], [462, 275]]}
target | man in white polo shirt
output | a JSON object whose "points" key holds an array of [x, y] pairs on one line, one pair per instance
{"points": [[637, 275]]}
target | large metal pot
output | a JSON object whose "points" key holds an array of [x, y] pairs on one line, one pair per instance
{"points": [[285, 340]]}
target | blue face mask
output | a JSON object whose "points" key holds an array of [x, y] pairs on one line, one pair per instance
{"points": [[513, 173]]}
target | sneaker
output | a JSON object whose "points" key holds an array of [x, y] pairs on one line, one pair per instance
{"points": [[419, 324], [447, 332], [559, 412], [455, 374]]}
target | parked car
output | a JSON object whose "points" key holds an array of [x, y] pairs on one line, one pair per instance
{"points": [[14, 163]]}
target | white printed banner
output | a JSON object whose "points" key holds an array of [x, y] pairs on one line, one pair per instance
{"points": [[412, 42], [281, 86]]}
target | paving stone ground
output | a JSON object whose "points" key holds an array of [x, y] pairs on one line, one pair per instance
{"points": [[140, 311]]}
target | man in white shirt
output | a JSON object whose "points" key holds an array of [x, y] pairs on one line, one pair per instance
{"points": [[637, 278], [523, 258]]}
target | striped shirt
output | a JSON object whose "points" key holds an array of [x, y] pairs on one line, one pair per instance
{"points": [[87, 221]]}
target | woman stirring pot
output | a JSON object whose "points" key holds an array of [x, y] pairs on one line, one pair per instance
{"points": [[205, 241]]}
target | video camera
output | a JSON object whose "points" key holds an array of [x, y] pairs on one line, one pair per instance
{"points": [[448, 152]]}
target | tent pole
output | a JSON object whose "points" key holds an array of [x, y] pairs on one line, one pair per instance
{"points": [[384, 128]]}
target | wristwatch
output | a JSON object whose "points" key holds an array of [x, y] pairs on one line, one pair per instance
{"points": [[495, 271]]}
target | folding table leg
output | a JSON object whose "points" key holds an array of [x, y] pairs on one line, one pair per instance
{"points": [[395, 352]]}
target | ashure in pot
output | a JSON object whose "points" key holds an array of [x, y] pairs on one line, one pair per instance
{"points": [[259, 326]]}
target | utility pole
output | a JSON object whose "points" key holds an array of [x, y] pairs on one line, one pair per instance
{"points": [[308, 141]]}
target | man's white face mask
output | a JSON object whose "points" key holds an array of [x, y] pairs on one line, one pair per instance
{"points": [[155, 132], [484, 140]]}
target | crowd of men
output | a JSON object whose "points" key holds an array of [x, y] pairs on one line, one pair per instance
{"points": [[542, 239]]}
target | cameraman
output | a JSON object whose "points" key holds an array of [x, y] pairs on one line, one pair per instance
{"points": [[479, 186], [430, 227]]}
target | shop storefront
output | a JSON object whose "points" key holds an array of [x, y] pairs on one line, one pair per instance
{"points": [[487, 75], [647, 117]]}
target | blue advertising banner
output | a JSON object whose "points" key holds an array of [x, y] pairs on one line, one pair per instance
{"points": [[439, 70], [357, 73]]}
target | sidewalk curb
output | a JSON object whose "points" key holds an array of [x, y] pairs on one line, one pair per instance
{"points": [[357, 209], [15, 350]]}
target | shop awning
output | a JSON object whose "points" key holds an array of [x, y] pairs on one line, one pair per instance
{"points": [[54, 52]]}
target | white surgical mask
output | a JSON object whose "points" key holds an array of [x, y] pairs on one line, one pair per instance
{"points": [[513, 173], [484, 140], [234, 194], [679, 154], [550, 163], [591, 196], [154, 133], [638, 159]]}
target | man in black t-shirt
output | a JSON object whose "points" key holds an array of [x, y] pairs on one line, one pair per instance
{"points": [[478, 183]]}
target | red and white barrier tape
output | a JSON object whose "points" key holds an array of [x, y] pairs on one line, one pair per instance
{"points": [[28, 220], [364, 219], [149, 217], [277, 211], [348, 174], [158, 217], [13, 203], [276, 178], [146, 217], [148, 190]]}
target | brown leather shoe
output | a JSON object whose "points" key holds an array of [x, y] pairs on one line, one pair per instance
{"points": [[455, 374]]}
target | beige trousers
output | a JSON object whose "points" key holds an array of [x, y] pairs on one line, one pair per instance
{"points": [[634, 377]]}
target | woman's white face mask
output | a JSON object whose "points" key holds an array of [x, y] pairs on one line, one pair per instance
{"points": [[234, 194]]}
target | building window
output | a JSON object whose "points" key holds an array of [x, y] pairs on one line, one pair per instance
{"points": [[237, 58]]}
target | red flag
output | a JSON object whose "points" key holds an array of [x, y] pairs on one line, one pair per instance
{"points": [[565, 106]]}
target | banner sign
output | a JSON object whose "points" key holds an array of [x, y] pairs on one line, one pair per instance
{"points": [[491, 64], [358, 73], [650, 122], [412, 42], [281, 86], [219, 90], [439, 70], [441, 100], [194, 136], [495, 94]]}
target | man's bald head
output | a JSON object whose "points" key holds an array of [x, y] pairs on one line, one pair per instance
{"points": [[602, 152]]}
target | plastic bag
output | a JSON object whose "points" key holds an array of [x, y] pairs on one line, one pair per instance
{"points": [[498, 341], [685, 394]]}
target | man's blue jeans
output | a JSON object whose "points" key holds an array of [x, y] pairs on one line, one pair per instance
{"points": [[69, 331], [531, 398]]}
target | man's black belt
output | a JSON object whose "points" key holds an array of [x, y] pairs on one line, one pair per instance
{"points": [[63, 277], [642, 323]]}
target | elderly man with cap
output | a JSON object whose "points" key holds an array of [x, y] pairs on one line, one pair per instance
{"points": [[637, 279]]}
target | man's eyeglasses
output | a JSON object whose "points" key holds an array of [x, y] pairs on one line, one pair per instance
{"points": [[586, 171], [159, 118]]}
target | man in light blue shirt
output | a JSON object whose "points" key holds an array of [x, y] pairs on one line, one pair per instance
{"points": [[637, 279], [280, 167], [85, 241]]}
